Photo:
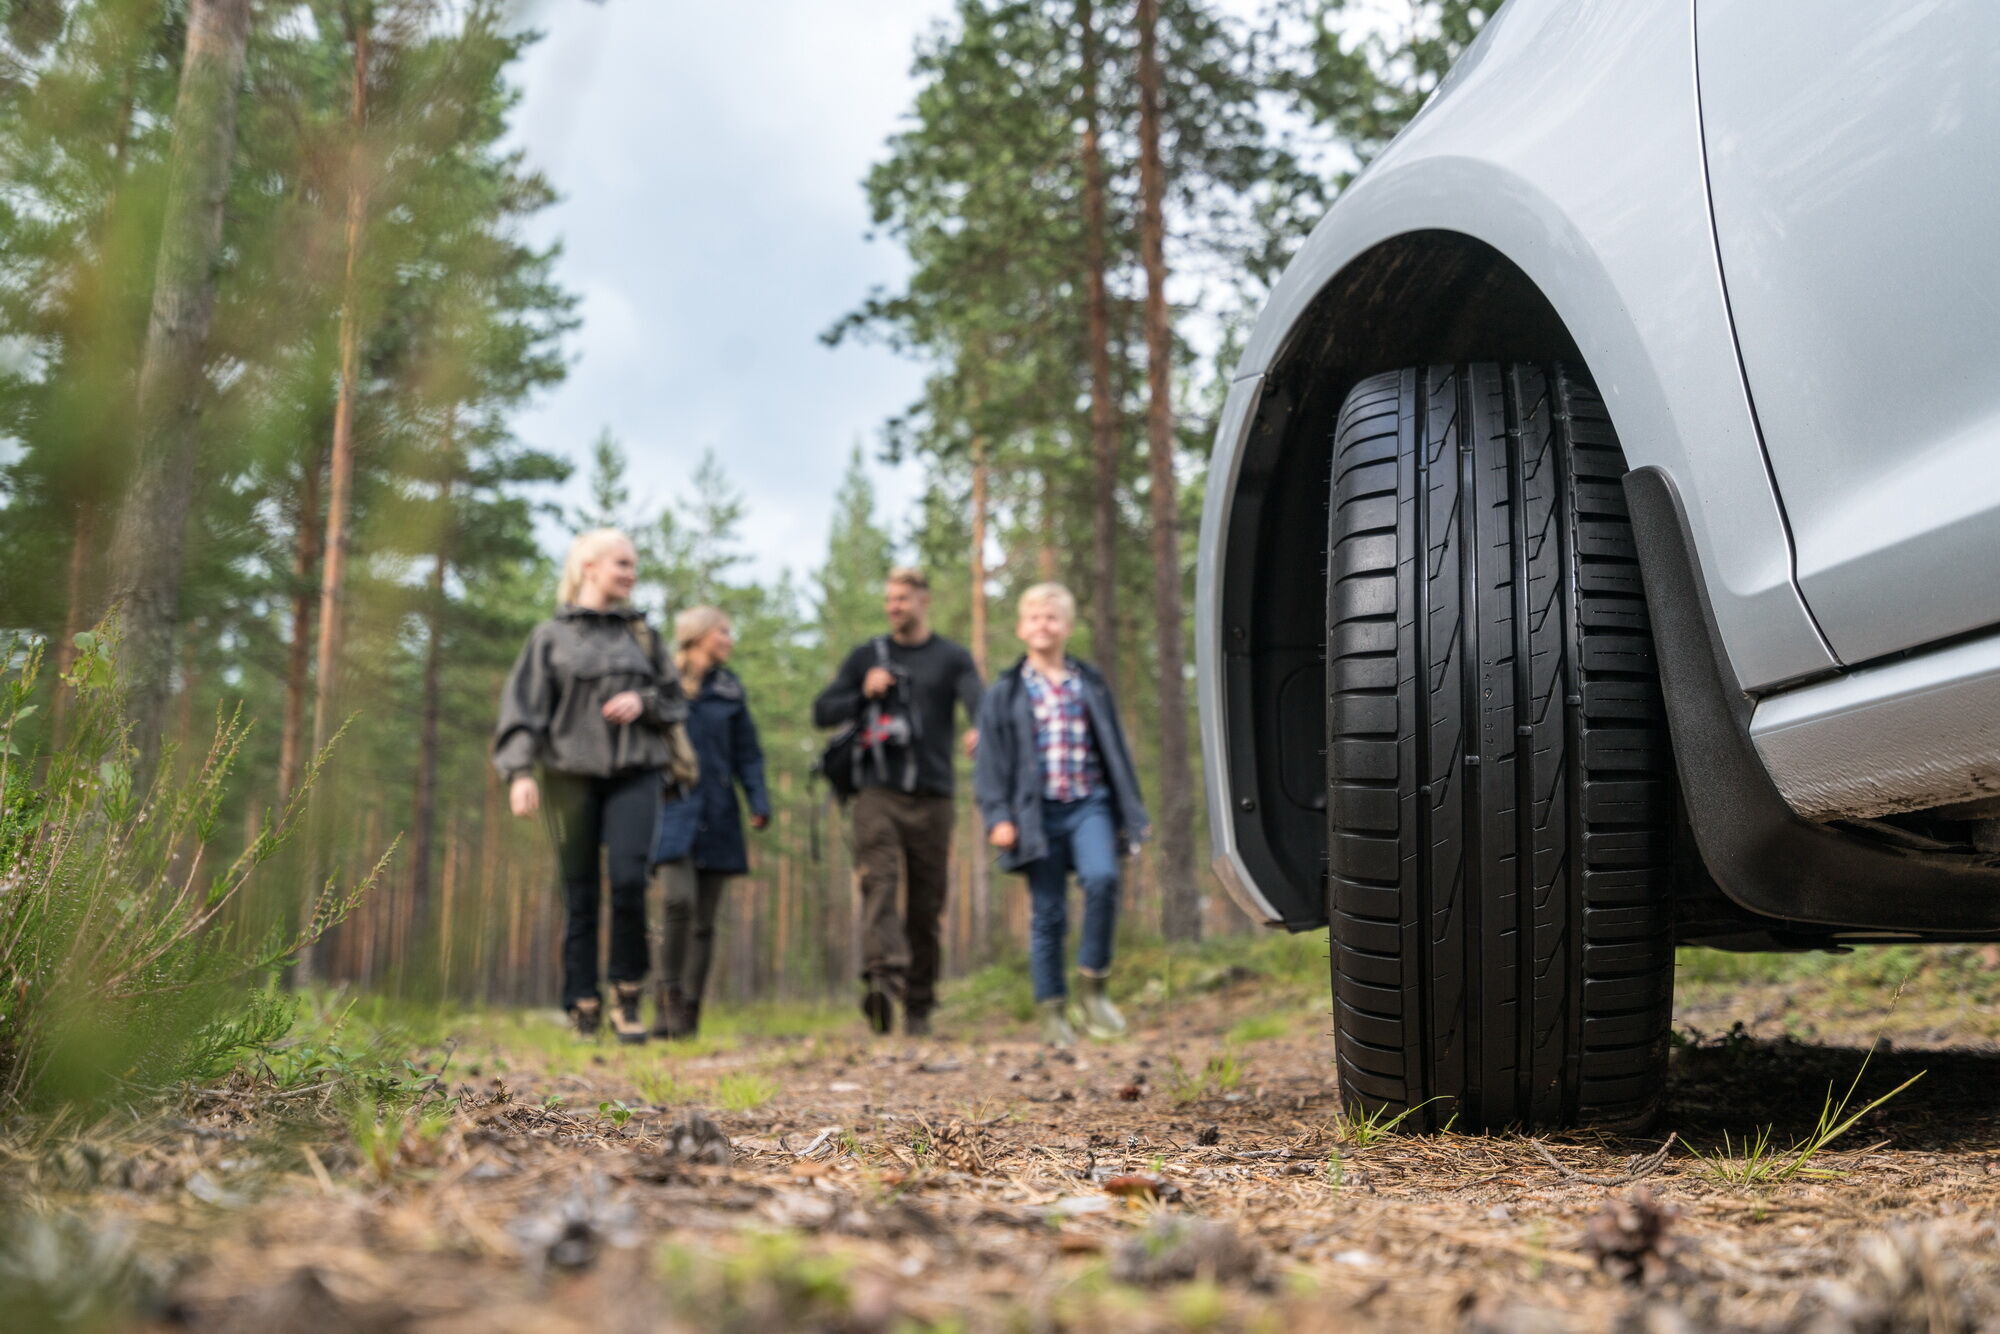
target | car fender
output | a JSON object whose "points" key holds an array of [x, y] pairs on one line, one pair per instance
{"points": [[1568, 140]]}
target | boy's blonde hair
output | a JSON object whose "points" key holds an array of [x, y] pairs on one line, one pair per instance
{"points": [[1050, 595], [586, 548]]}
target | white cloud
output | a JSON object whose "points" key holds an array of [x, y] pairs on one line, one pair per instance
{"points": [[710, 159]]}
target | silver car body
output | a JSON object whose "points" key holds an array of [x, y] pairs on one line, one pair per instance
{"points": [[1761, 222]]}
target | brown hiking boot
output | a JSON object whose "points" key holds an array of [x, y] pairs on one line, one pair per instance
{"points": [[625, 1021], [670, 1014], [587, 1016]]}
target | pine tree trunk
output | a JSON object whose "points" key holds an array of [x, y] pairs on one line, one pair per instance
{"points": [[340, 463], [149, 541], [1103, 408], [978, 554], [1180, 900], [423, 834], [305, 605], [77, 602]]}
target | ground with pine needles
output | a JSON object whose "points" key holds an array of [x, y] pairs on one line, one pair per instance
{"points": [[443, 1172]]}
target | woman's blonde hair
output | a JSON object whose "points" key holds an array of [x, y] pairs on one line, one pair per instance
{"points": [[587, 548], [691, 627]]}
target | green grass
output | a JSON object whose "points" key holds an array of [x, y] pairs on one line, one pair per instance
{"points": [[1361, 1129], [1149, 972], [1755, 1162], [744, 1091], [660, 1086], [1258, 1028], [1219, 1074]]}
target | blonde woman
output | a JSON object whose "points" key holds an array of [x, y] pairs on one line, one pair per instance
{"points": [[588, 704], [700, 840]]}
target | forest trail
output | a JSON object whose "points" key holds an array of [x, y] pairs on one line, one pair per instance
{"points": [[1198, 1176]]}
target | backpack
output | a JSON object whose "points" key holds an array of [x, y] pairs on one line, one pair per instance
{"points": [[683, 769], [868, 746]]}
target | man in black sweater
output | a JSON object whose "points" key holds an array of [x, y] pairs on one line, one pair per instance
{"points": [[903, 812]]}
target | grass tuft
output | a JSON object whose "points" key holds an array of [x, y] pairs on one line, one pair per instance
{"points": [[744, 1091], [1756, 1163]]}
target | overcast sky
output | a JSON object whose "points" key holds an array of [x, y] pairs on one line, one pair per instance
{"points": [[710, 159]]}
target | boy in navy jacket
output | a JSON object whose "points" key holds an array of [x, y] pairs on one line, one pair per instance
{"points": [[1059, 793]]}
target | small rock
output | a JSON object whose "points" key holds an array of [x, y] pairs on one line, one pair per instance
{"points": [[1209, 1135], [696, 1139], [1180, 1250], [843, 1086], [1359, 1259], [1130, 1093], [1074, 1206]]}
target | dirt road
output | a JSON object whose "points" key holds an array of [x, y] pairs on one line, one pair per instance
{"points": [[1198, 1176]]}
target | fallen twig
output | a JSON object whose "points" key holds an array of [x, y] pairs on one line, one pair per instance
{"points": [[1637, 1168]]}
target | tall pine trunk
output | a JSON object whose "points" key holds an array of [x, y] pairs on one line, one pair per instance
{"points": [[149, 540], [1103, 408], [423, 834], [1180, 901], [77, 603], [981, 880], [978, 553], [305, 606], [340, 462]]}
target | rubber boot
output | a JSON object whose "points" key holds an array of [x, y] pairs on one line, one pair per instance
{"points": [[625, 1020], [1100, 1017], [1056, 1031]]}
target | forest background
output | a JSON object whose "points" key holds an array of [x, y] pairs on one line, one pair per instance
{"points": [[269, 319]]}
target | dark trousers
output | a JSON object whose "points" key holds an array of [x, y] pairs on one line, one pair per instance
{"points": [[616, 814], [689, 902], [902, 841]]}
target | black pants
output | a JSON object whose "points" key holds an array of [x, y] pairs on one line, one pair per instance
{"points": [[690, 900], [616, 814]]}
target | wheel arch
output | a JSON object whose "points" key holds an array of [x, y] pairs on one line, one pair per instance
{"points": [[1423, 296]]}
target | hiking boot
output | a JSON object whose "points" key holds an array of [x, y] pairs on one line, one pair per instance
{"points": [[691, 1018], [1100, 1017], [625, 1021], [587, 1016], [881, 1014], [1056, 1031], [670, 1013], [917, 1023]]}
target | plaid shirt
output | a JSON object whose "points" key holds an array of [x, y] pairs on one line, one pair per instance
{"points": [[1070, 768]]}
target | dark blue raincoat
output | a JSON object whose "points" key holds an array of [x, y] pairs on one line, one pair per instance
{"points": [[708, 823]]}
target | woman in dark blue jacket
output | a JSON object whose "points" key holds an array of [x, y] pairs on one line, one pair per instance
{"points": [[699, 844]]}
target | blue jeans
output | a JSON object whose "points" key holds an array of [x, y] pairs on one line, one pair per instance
{"points": [[1082, 838]]}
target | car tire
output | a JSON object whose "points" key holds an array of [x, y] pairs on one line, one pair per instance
{"points": [[1500, 787]]}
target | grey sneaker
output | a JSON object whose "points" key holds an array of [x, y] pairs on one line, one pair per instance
{"points": [[1100, 1017], [1056, 1031]]}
